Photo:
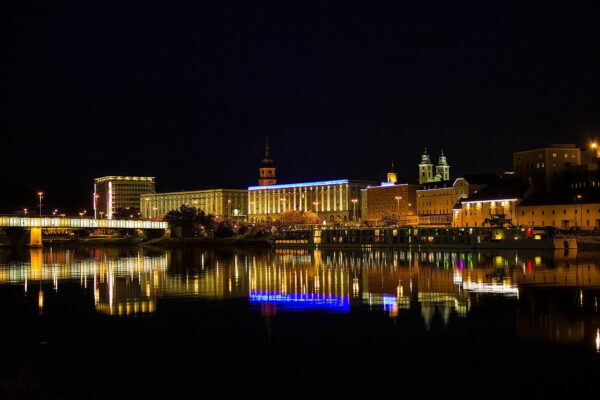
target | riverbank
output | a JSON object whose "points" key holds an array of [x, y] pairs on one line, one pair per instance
{"points": [[166, 242]]}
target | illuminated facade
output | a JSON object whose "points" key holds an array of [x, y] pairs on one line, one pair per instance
{"points": [[115, 192], [333, 201], [390, 198], [494, 204], [218, 202], [546, 168], [436, 200], [564, 210], [478, 213]]}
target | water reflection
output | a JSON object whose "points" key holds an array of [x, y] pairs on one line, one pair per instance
{"points": [[556, 295]]}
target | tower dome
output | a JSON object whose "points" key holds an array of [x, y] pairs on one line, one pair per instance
{"points": [[442, 168], [425, 168]]}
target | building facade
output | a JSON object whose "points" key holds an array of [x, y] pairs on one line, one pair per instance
{"points": [[222, 203], [436, 200], [494, 204], [333, 201], [119, 192], [546, 168], [392, 198], [563, 210]]}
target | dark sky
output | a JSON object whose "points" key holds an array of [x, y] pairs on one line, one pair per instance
{"points": [[187, 91]]}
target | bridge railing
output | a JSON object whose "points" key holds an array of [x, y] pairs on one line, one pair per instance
{"points": [[54, 222]]}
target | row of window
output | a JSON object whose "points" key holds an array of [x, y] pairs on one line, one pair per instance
{"points": [[587, 211]]}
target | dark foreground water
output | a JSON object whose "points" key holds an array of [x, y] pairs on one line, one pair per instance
{"points": [[138, 323]]}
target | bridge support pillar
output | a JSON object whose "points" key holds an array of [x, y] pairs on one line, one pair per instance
{"points": [[35, 237]]}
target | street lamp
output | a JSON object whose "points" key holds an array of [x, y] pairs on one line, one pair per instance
{"points": [[96, 195], [25, 211], [354, 201], [41, 194], [228, 207], [398, 198], [101, 214]]}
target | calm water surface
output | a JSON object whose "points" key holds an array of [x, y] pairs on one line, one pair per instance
{"points": [[140, 323]]}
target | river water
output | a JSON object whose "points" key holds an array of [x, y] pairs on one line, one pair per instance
{"points": [[154, 323]]}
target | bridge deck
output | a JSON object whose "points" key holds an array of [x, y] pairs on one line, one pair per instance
{"points": [[53, 222]]}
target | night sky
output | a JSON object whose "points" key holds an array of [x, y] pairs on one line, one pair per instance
{"points": [[187, 91]]}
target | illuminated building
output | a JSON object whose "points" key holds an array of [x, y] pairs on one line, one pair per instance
{"points": [[218, 202], [266, 172], [563, 210], [333, 201], [430, 173], [390, 198], [546, 168], [494, 204], [436, 200], [119, 192]]}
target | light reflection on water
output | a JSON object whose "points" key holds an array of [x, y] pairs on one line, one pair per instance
{"points": [[557, 295]]}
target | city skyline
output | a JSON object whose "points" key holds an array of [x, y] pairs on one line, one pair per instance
{"points": [[187, 93]]}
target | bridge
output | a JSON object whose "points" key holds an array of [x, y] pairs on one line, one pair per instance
{"points": [[36, 224]]}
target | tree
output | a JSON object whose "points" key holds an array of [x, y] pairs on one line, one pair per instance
{"points": [[187, 221], [297, 217], [310, 218], [390, 219]]}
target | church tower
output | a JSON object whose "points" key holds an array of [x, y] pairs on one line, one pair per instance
{"points": [[442, 169], [425, 168], [266, 172], [392, 176]]}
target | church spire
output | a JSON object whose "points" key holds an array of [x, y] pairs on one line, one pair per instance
{"points": [[267, 150], [266, 172]]}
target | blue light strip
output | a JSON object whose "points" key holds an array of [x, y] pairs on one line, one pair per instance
{"points": [[295, 185], [301, 301]]}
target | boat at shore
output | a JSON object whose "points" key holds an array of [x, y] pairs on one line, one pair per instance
{"points": [[422, 237]]}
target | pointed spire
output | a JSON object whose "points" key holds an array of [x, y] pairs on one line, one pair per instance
{"points": [[267, 150], [425, 157], [442, 160]]}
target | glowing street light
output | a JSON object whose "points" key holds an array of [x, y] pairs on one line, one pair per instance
{"points": [[96, 195], [41, 194], [354, 201], [398, 198]]}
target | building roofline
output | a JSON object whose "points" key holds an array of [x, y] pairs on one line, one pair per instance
{"points": [[183, 192], [124, 178]]}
